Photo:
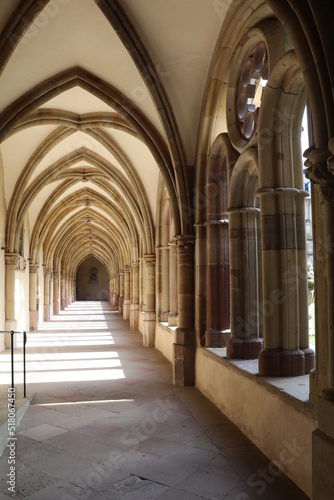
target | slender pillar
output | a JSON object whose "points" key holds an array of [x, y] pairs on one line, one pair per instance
{"points": [[33, 312], [116, 295], [63, 292], [121, 292], [134, 307], [111, 290], [47, 275], [173, 300], [126, 302], [11, 262], [149, 315], [56, 305], [281, 355], [185, 345], [214, 332], [201, 282], [245, 341], [165, 281], [321, 173]]}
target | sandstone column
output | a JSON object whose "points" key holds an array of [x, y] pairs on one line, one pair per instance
{"points": [[11, 261], [33, 312], [56, 293], [173, 300], [149, 314], [63, 292], [116, 295], [47, 276], [185, 345], [134, 307], [281, 355], [244, 284], [165, 281], [121, 291], [126, 303]]}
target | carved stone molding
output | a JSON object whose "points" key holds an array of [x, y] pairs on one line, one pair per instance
{"points": [[185, 243], [149, 259], [320, 170], [11, 259]]}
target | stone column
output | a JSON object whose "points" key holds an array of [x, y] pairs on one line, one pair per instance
{"points": [[121, 292], [126, 302], [134, 307], [63, 292], [33, 312], [74, 289], [165, 281], [11, 262], [320, 172], [47, 276], [214, 332], [149, 314], [173, 300], [68, 290], [281, 355], [56, 304], [185, 345], [111, 290], [116, 295], [244, 284]]}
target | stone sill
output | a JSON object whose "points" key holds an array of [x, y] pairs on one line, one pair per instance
{"points": [[295, 390]]}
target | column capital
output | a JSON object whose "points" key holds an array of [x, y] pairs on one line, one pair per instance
{"points": [[135, 265], [185, 243], [149, 259], [11, 259], [127, 268], [33, 268], [320, 169]]}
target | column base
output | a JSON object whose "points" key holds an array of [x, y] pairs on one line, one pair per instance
{"points": [[126, 309], [33, 320], [114, 300], [216, 338], [309, 359], [184, 358], [56, 307], [237, 348], [149, 329], [281, 363], [172, 319], [134, 317], [120, 305]]}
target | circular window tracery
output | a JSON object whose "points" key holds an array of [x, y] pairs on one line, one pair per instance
{"points": [[252, 80]]}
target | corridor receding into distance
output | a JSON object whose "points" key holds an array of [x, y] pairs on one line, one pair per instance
{"points": [[106, 422]]}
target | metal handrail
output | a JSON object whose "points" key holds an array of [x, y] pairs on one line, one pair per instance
{"points": [[12, 333]]}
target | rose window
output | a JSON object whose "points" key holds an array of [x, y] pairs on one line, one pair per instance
{"points": [[253, 78]]}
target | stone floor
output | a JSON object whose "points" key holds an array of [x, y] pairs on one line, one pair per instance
{"points": [[107, 423]]}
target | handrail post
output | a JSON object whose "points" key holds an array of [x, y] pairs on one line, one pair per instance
{"points": [[24, 364], [12, 355]]}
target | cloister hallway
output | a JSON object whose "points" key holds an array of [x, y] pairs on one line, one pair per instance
{"points": [[106, 422]]}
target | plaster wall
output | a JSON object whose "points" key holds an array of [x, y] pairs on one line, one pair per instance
{"points": [[164, 339], [279, 425]]}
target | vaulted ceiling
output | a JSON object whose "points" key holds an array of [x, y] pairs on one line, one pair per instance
{"points": [[98, 98]]}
